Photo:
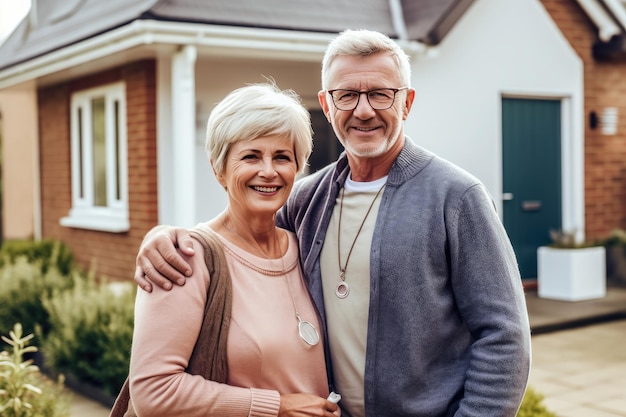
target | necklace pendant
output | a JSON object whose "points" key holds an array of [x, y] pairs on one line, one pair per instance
{"points": [[342, 290], [307, 332]]}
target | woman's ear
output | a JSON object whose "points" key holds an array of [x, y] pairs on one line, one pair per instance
{"points": [[219, 177]]}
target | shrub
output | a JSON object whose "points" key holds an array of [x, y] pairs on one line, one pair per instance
{"points": [[532, 405], [562, 239], [24, 392], [91, 332], [23, 284], [45, 252], [617, 238]]}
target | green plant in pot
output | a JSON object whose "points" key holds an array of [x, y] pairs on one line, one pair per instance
{"points": [[571, 269], [563, 239]]}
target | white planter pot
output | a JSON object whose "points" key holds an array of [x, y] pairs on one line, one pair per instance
{"points": [[571, 274]]}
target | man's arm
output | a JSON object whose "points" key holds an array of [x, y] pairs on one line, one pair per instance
{"points": [[159, 260], [491, 300]]}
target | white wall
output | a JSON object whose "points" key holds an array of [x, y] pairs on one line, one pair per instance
{"points": [[499, 48]]}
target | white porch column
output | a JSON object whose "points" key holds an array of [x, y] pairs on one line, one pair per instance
{"points": [[183, 136]]}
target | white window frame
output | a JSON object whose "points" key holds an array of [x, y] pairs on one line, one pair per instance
{"points": [[84, 214]]}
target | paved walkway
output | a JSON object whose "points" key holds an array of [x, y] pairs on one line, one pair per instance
{"points": [[582, 371], [84, 407], [579, 357]]}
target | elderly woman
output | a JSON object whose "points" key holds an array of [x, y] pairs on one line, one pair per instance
{"points": [[258, 140]]}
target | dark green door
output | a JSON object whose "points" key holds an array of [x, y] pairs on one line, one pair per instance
{"points": [[531, 158]]}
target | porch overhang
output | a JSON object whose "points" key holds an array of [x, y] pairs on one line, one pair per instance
{"points": [[151, 38]]}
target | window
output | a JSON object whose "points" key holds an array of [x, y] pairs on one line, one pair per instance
{"points": [[99, 167]]}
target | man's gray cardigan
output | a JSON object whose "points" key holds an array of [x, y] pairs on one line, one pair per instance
{"points": [[448, 331]]}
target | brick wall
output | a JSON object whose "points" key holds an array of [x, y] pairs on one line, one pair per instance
{"points": [[112, 254], [605, 156]]}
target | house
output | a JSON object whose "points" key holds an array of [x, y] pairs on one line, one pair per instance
{"points": [[119, 92]]}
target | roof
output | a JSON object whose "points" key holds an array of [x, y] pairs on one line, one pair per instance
{"points": [[55, 24]]}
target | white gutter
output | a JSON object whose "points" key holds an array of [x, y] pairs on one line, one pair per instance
{"points": [[607, 28], [397, 19], [228, 40], [619, 11], [412, 48]]}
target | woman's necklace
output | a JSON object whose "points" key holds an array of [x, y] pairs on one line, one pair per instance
{"points": [[343, 289], [306, 330]]}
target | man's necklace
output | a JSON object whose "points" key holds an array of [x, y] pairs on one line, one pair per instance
{"points": [[343, 289], [306, 330]]}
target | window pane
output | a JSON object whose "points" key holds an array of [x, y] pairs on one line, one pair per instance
{"points": [[99, 151], [116, 126], [81, 180]]}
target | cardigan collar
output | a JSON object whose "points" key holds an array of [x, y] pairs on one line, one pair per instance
{"points": [[411, 160]]}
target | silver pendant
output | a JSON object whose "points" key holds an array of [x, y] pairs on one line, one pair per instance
{"points": [[307, 332], [342, 290]]}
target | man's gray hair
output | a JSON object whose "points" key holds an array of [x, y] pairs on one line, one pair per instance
{"points": [[363, 43]]}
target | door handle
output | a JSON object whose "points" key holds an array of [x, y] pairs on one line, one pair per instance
{"points": [[507, 196], [531, 205]]}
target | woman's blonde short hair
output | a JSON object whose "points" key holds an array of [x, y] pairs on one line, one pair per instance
{"points": [[365, 42], [254, 111]]}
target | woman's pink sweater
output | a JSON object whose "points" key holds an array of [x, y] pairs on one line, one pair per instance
{"points": [[266, 356]]}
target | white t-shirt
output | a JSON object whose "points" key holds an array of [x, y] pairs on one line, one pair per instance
{"points": [[347, 318]]}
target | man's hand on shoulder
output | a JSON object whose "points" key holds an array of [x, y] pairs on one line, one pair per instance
{"points": [[160, 259]]}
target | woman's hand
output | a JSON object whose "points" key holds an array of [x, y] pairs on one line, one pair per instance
{"points": [[159, 260], [301, 405]]}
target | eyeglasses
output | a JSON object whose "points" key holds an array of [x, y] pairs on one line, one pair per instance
{"points": [[379, 98]]}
